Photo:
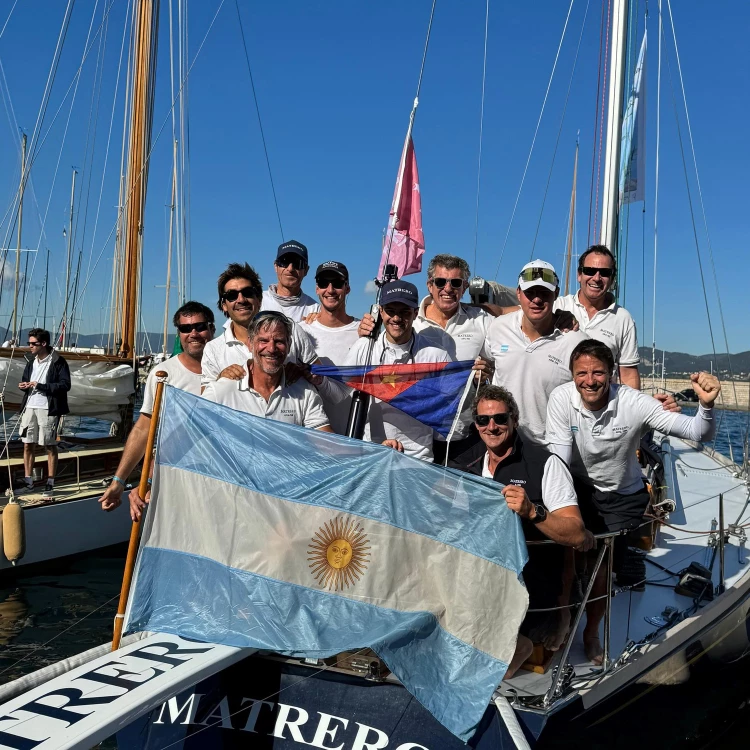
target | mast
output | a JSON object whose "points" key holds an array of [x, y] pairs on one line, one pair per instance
{"points": [[141, 117], [46, 287], [15, 332], [571, 224], [610, 196], [169, 250], [67, 262]]}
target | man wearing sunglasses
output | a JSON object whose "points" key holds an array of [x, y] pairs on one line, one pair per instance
{"points": [[286, 296], [531, 354], [334, 332], [240, 292], [195, 327], [597, 313], [539, 488], [45, 386]]}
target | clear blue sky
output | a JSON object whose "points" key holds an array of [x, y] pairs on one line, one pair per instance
{"points": [[335, 82]]}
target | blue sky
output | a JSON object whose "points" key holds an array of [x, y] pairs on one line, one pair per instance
{"points": [[335, 82]]}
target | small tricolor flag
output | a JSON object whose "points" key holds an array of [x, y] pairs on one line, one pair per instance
{"points": [[429, 392]]}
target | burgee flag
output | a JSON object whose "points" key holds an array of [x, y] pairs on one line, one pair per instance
{"points": [[429, 392], [404, 237], [266, 535]]}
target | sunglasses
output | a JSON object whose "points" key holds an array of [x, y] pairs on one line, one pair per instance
{"points": [[34, 343], [591, 271], [295, 261], [545, 274], [455, 283], [248, 292], [336, 283], [188, 327], [482, 420]]}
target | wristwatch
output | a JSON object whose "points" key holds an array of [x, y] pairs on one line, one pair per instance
{"points": [[541, 513]]}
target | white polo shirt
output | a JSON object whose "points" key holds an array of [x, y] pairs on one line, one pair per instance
{"points": [[227, 349], [298, 403], [296, 308], [613, 326], [600, 445], [530, 370], [331, 346], [385, 422], [177, 375]]}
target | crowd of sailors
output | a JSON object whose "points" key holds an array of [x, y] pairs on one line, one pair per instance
{"points": [[556, 417]]}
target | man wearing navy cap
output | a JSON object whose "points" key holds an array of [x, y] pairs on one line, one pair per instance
{"points": [[286, 296], [398, 344]]}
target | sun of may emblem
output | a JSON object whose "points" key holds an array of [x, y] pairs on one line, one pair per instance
{"points": [[338, 554]]}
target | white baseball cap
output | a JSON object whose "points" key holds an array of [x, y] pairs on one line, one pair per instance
{"points": [[538, 273]]}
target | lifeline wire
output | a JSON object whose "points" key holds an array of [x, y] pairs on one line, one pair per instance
{"points": [[481, 128]]}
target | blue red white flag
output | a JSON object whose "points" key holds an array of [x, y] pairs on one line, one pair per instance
{"points": [[429, 392]]}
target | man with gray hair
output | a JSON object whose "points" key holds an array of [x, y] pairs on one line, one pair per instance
{"points": [[263, 391]]}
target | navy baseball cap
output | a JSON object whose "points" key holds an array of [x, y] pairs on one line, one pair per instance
{"points": [[334, 267], [399, 291], [292, 247]]}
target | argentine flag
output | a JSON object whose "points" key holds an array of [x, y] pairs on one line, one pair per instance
{"points": [[265, 535]]}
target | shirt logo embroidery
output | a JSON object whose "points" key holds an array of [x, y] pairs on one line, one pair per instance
{"points": [[504, 348], [518, 481], [555, 360], [573, 428]]}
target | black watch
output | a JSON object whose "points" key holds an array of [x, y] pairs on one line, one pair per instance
{"points": [[541, 513]]}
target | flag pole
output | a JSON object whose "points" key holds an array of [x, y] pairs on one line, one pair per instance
{"points": [[135, 529]]}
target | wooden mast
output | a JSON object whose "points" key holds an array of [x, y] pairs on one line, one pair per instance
{"points": [[141, 117], [571, 224]]}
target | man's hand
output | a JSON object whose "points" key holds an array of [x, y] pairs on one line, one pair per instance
{"points": [[315, 380], [112, 496], [706, 387], [294, 372], [565, 321], [27, 386], [233, 372], [395, 444], [311, 318], [366, 325], [668, 402], [589, 542], [484, 370], [138, 504], [518, 501]]}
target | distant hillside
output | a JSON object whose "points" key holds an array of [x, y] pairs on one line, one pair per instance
{"points": [[679, 363]]}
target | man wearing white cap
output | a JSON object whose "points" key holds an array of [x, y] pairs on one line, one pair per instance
{"points": [[532, 355]]}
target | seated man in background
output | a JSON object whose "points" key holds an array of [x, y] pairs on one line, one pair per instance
{"points": [[539, 488], [596, 426]]}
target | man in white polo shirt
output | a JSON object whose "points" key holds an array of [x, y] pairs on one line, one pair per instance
{"points": [[334, 332], [531, 355], [286, 296], [397, 344], [264, 391], [240, 292], [598, 315]]}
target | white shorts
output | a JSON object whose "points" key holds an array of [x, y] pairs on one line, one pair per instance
{"points": [[38, 427]]}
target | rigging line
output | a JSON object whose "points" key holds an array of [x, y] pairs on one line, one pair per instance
{"points": [[257, 112], [601, 120], [559, 130], [2, 31], [481, 128], [158, 135], [700, 196], [656, 193], [424, 53], [533, 140], [596, 121]]}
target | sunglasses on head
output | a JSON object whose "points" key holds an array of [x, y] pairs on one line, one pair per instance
{"points": [[455, 283], [545, 274], [482, 420], [591, 271], [247, 292], [337, 282], [297, 262], [188, 327]]}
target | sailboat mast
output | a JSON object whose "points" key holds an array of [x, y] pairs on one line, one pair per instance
{"points": [[610, 196], [67, 262], [16, 332], [141, 116], [571, 223], [169, 250]]}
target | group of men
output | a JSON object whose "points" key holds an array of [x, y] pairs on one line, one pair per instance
{"points": [[548, 420]]}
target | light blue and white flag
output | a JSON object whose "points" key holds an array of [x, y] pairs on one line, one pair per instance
{"points": [[633, 144], [266, 535]]}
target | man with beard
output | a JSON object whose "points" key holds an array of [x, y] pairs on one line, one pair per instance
{"points": [[598, 315], [195, 327], [263, 391], [334, 332], [531, 354], [286, 296], [240, 292]]}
